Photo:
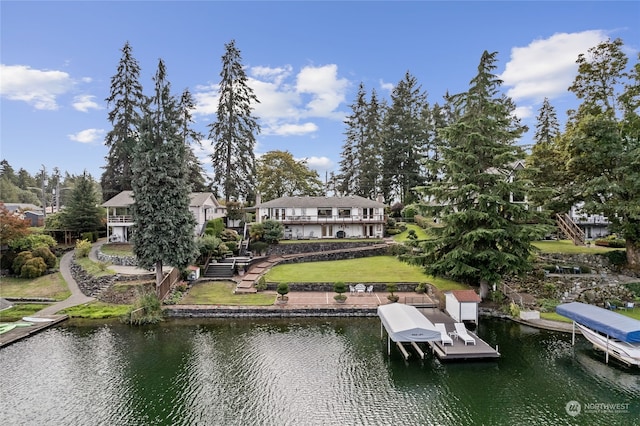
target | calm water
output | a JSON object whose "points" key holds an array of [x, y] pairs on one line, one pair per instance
{"points": [[301, 372]]}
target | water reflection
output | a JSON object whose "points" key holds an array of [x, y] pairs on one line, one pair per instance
{"points": [[298, 372]]}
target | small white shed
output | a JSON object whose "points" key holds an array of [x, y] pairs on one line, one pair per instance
{"points": [[462, 305]]}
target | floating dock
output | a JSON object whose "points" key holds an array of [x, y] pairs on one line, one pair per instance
{"points": [[28, 327]]}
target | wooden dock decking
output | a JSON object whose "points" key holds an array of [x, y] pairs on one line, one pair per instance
{"points": [[459, 350], [23, 332]]}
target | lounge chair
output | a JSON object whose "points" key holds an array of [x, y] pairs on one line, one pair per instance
{"points": [[370, 289], [462, 333], [444, 337]]}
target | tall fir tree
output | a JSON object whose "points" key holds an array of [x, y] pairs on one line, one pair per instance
{"points": [[403, 142], [234, 132], [126, 100], [603, 141], [484, 235], [350, 167], [545, 166], [163, 231], [82, 213], [190, 136]]}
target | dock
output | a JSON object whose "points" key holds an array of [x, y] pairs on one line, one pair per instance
{"points": [[457, 351], [26, 328]]}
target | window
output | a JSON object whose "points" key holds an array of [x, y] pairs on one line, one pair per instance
{"points": [[324, 212], [344, 212]]}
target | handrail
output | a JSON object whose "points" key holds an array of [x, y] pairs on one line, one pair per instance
{"points": [[570, 229]]}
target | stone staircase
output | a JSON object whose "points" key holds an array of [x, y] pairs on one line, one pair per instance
{"points": [[223, 268]]}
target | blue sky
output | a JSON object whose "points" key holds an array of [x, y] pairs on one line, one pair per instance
{"points": [[305, 61]]}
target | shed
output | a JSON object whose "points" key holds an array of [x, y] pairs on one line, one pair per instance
{"points": [[462, 305]]}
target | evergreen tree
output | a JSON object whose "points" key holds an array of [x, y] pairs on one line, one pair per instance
{"points": [[603, 141], [233, 134], [189, 136], [163, 231], [126, 98], [484, 235], [82, 213], [370, 151], [545, 165], [349, 174], [403, 142]]}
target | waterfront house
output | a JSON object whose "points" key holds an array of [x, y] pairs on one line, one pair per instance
{"points": [[325, 217], [203, 206]]}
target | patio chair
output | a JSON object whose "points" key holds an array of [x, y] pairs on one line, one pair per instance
{"points": [[609, 306], [370, 289], [444, 337], [360, 288], [462, 333], [352, 289], [630, 305]]}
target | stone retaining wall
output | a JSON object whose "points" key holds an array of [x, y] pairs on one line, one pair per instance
{"points": [[117, 260], [282, 311], [92, 286], [295, 248], [596, 262], [338, 255]]}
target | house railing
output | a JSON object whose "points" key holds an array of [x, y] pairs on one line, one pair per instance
{"points": [[120, 219], [165, 286], [570, 229], [331, 219]]}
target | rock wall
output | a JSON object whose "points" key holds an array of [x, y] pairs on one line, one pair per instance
{"points": [[117, 260], [281, 311], [338, 255], [295, 248]]}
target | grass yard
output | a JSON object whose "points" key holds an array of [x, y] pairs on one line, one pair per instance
{"points": [[221, 293], [117, 249], [94, 269], [403, 236], [50, 286], [20, 310], [376, 269], [97, 310], [566, 246], [552, 316]]}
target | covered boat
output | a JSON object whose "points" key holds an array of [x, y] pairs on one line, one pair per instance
{"points": [[615, 334]]}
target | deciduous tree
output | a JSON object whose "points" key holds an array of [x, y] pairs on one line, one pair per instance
{"points": [[280, 175]]}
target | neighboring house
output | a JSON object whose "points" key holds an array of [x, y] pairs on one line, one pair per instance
{"points": [[35, 218], [21, 207], [593, 225], [325, 217], [203, 206]]}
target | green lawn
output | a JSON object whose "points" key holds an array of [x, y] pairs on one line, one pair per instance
{"points": [[404, 235], [376, 269], [97, 310], [117, 249], [20, 310], [566, 246], [221, 293], [50, 286]]}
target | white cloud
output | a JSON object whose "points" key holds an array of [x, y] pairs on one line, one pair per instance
{"points": [[386, 86], [84, 103], [289, 129], [523, 112], [87, 136], [547, 67], [326, 89], [39, 88], [320, 164], [286, 99]]}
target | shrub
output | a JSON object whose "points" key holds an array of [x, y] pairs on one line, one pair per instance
{"points": [[283, 289], [514, 310], [214, 227], [497, 296], [31, 242], [150, 307], [33, 268], [412, 235], [421, 288], [339, 287], [89, 236], [409, 212], [229, 235], [259, 247], [20, 260], [617, 257], [46, 255], [83, 247], [262, 284]]}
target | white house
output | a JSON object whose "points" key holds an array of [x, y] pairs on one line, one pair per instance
{"points": [[325, 217], [593, 225], [462, 305], [203, 206]]}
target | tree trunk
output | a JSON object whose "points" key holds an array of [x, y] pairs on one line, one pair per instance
{"points": [[633, 253], [158, 273], [484, 289]]}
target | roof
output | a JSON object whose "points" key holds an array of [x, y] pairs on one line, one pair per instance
{"points": [[13, 207], [125, 199], [405, 323], [605, 321], [466, 296], [350, 201]]}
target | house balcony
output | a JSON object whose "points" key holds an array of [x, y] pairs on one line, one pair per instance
{"points": [[312, 220], [122, 220]]}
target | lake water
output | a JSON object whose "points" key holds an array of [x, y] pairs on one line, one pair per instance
{"points": [[302, 372]]}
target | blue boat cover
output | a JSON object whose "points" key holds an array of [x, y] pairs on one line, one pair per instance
{"points": [[602, 320]]}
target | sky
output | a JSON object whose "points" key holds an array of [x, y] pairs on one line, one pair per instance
{"points": [[304, 59]]}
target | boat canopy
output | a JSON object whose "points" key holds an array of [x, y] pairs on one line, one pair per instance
{"points": [[602, 320], [405, 323]]}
